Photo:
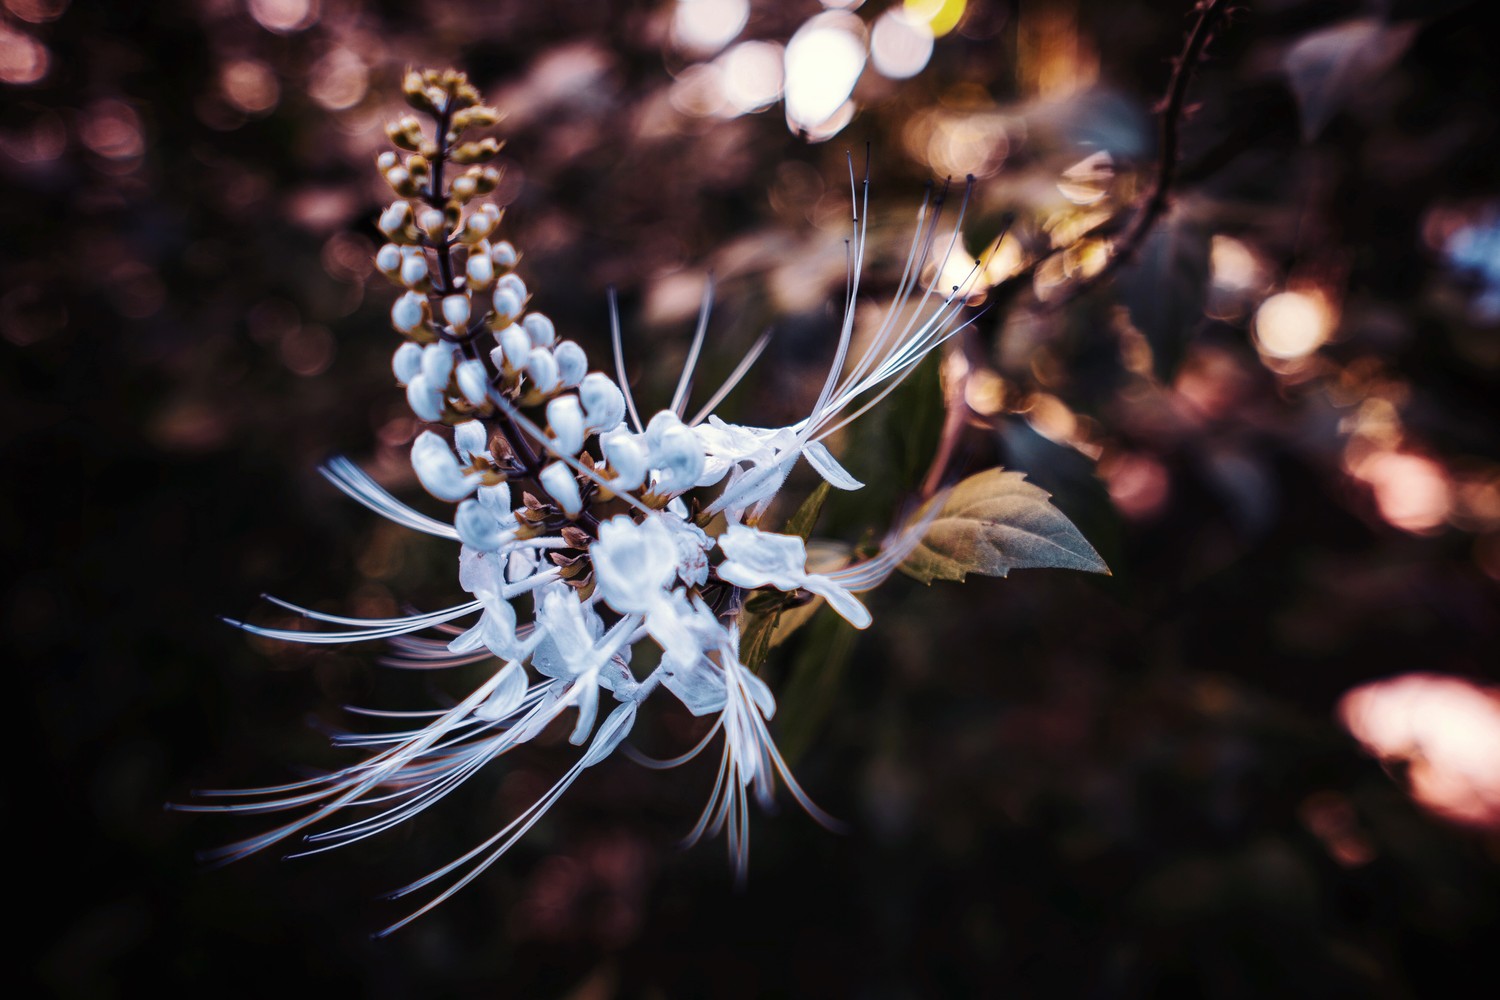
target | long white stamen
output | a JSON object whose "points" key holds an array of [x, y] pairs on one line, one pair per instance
{"points": [[357, 484], [619, 349], [740, 370], [685, 381]]}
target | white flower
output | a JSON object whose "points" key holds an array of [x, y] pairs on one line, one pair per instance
{"points": [[561, 599], [675, 453], [634, 562], [761, 559]]}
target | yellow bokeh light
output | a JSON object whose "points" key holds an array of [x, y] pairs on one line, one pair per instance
{"points": [[942, 16]]}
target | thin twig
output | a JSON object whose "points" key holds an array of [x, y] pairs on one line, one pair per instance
{"points": [[1173, 107]]}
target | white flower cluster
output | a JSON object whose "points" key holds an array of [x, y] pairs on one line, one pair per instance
{"points": [[584, 530]]}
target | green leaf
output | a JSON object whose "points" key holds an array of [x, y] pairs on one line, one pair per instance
{"points": [[801, 523], [756, 630], [1165, 290], [994, 522], [813, 684]]}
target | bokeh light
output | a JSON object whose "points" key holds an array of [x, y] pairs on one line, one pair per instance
{"points": [[112, 129], [941, 16], [37, 11], [823, 62], [703, 27], [900, 44], [284, 16], [1293, 324], [1446, 730], [752, 74], [339, 80], [1412, 492], [23, 59], [250, 86]]}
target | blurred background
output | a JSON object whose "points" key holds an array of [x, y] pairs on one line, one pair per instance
{"points": [[1262, 757]]}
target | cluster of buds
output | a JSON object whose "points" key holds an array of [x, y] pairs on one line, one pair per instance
{"points": [[584, 530]]}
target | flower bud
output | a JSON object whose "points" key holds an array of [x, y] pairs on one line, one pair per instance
{"points": [[405, 132], [409, 312], [565, 420], [557, 479], [415, 90], [626, 458], [437, 364], [439, 471], [399, 178], [386, 161], [464, 187], [475, 152], [414, 271], [388, 262], [504, 255], [473, 381], [478, 226], [425, 400], [406, 362], [435, 223], [471, 441], [507, 305], [603, 402], [516, 345], [456, 312], [512, 283], [486, 179], [481, 271], [477, 527], [676, 453], [496, 500], [572, 363], [477, 117], [394, 222], [543, 332], [542, 368]]}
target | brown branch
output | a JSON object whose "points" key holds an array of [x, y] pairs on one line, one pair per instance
{"points": [[1173, 108]]}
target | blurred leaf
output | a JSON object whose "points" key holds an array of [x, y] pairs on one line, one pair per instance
{"points": [[813, 684], [1329, 67], [1165, 289], [801, 523], [994, 522], [756, 629], [892, 446]]}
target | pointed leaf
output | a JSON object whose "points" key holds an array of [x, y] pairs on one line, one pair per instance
{"points": [[1328, 68], [994, 522], [801, 523], [1165, 289]]}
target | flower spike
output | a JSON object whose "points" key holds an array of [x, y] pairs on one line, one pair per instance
{"points": [[584, 526]]}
